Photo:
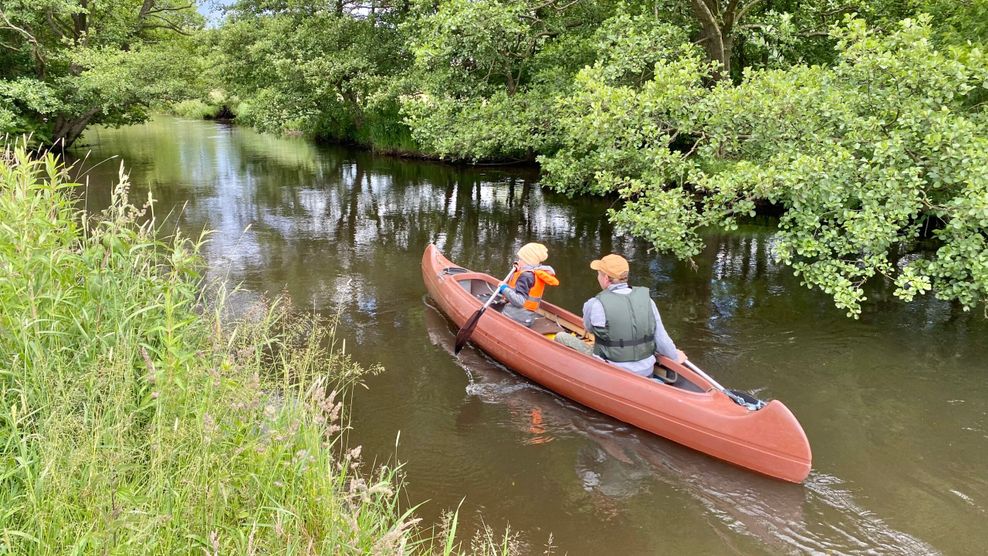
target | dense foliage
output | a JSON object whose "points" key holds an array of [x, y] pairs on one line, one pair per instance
{"points": [[314, 67], [862, 123], [66, 64], [877, 161], [135, 422]]}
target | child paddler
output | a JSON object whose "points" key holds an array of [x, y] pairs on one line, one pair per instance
{"points": [[526, 286]]}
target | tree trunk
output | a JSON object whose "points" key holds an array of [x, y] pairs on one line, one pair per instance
{"points": [[512, 85], [717, 23], [68, 128], [715, 37], [80, 23]]}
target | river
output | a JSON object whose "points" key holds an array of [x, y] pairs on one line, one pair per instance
{"points": [[895, 404]]}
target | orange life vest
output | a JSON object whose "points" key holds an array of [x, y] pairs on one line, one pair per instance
{"points": [[542, 278]]}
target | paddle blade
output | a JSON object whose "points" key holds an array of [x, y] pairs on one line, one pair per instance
{"points": [[464, 334]]}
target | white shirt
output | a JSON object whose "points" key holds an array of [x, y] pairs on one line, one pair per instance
{"points": [[593, 315]]}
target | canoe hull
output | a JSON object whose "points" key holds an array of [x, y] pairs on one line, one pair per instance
{"points": [[769, 440]]}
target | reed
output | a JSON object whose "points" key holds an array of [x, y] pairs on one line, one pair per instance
{"points": [[384, 131], [138, 415]]}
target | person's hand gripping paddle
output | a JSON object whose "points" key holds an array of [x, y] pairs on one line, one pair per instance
{"points": [[464, 334]]}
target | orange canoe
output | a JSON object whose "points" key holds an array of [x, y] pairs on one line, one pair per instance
{"points": [[685, 408]]}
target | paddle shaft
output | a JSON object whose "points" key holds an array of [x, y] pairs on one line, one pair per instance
{"points": [[464, 334], [734, 397]]}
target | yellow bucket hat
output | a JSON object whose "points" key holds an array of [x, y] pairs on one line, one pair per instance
{"points": [[533, 253]]}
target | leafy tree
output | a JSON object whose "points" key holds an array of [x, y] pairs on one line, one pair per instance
{"points": [[627, 108], [957, 22], [486, 73], [877, 162], [65, 64], [737, 34], [319, 67]]}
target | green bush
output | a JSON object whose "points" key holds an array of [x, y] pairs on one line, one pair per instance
{"points": [[193, 109], [136, 418], [218, 106], [876, 162]]}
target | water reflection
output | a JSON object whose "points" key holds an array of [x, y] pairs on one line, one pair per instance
{"points": [[895, 404]]}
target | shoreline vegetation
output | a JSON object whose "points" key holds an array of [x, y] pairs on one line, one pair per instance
{"points": [[139, 415]]}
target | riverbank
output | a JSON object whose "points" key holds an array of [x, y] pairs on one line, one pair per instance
{"points": [[140, 415], [382, 136]]}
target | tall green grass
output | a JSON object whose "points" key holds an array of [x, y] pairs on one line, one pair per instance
{"points": [[194, 109], [379, 128], [135, 417], [384, 131], [216, 104]]}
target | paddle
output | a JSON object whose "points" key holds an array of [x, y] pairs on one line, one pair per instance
{"points": [[464, 334], [734, 397]]}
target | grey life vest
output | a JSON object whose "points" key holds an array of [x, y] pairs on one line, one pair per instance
{"points": [[630, 331]]}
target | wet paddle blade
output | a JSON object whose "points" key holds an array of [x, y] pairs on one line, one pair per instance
{"points": [[464, 334]]}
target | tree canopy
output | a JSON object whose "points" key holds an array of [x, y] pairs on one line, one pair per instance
{"points": [[877, 162], [65, 64]]}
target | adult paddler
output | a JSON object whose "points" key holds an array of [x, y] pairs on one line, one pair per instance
{"points": [[625, 320], [526, 286]]}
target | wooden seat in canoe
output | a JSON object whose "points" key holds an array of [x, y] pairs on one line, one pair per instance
{"points": [[545, 326]]}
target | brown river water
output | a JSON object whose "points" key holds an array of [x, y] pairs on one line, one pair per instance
{"points": [[895, 404]]}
